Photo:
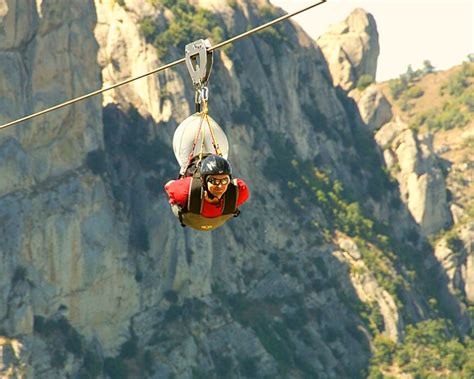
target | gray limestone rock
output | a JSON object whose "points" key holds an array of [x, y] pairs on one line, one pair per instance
{"points": [[387, 133], [351, 49], [374, 108], [422, 185], [455, 253]]}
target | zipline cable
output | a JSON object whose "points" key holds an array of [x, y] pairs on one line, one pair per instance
{"points": [[268, 24], [162, 68]]}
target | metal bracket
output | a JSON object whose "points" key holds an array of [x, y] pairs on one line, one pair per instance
{"points": [[201, 94], [199, 70]]}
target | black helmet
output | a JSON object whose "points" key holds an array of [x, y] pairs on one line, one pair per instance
{"points": [[215, 165]]}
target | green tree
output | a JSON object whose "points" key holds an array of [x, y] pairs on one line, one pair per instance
{"points": [[428, 68], [364, 81], [188, 24], [413, 93], [410, 73], [398, 86], [384, 350]]}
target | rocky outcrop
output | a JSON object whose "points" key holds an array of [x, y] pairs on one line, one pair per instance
{"points": [[63, 245], [124, 53], [467, 236], [422, 187], [374, 108], [369, 290], [351, 49], [455, 252], [13, 361]]}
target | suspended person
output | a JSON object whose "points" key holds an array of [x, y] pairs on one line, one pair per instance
{"points": [[210, 197], [205, 196]]}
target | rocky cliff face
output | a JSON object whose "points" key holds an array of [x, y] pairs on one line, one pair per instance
{"points": [[432, 171], [422, 184], [97, 276], [63, 243], [351, 49]]}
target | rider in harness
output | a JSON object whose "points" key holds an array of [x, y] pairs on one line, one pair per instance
{"points": [[210, 197]]}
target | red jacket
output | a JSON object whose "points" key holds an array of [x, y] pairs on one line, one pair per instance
{"points": [[178, 191]]}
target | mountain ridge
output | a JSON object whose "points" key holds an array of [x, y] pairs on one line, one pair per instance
{"points": [[117, 288]]}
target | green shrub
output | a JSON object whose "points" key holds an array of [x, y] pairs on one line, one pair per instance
{"points": [[233, 4], [273, 343], [384, 349], [458, 108], [73, 342], [410, 74], [139, 237], [147, 26], [413, 92], [397, 87], [364, 81], [249, 366], [92, 364], [59, 328], [40, 325], [454, 243], [171, 296], [173, 313], [428, 349], [319, 120], [129, 348], [96, 161], [467, 100], [428, 68], [449, 118], [148, 361], [19, 275], [222, 363], [255, 104], [275, 37], [457, 83], [187, 25], [58, 358], [350, 220], [405, 105], [115, 368], [296, 320]]}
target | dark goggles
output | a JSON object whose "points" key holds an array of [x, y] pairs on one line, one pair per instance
{"points": [[216, 182]]}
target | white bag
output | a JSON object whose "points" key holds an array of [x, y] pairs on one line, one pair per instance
{"points": [[192, 129]]}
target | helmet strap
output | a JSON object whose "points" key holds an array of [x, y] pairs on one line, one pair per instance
{"points": [[210, 195], [206, 188]]}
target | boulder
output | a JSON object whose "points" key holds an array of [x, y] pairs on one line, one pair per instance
{"points": [[406, 149], [427, 201], [124, 53], [351, 49], [386, 134], [457, 261], [467, 236], [369, 290], [374, 108], [12, 359], [422, 184]]}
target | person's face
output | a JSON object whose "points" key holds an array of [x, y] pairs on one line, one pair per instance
{"points": [[217, 184]]}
